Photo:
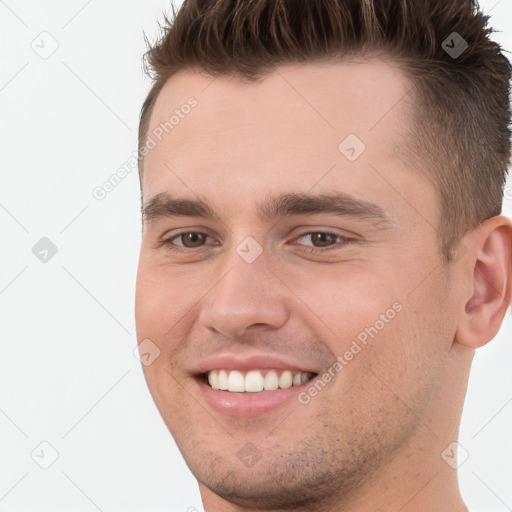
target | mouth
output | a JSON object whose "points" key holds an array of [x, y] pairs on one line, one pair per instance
{"points": [[255, 381], [251, 384], [252, 393]]}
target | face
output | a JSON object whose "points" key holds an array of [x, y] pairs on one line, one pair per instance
{"points": [[315, 254]]}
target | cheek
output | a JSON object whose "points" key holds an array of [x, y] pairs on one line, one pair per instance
{"points": [[162, 305], [382, 330], [154, 319], [407, 357], [345, 300], [159, 302], [148, 306]]}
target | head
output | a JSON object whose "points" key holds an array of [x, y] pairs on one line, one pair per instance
{"points": [[322, 186]]}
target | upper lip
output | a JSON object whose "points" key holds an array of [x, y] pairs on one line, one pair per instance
{"points": [[249, 362]]}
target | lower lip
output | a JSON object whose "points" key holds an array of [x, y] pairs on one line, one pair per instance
{"points": [[249, 404]]}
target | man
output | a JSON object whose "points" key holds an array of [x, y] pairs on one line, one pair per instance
{"points": [[323, 246]]}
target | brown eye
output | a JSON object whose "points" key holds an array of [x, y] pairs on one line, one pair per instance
{"points": [[189, 240], [321, 239], [192, 239], [321, 242]]}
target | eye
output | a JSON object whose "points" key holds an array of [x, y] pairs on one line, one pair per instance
{"points": [[189, 239], [321, 241], [324, 241]]}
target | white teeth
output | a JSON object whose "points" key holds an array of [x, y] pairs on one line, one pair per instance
{"points": [[236, 381], [213, 379], [254, 381], [286, 380], [271, 381], [223, 380]]}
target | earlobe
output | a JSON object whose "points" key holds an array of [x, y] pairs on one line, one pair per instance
{"points": [[489, 263]]}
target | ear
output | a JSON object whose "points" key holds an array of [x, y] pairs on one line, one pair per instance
{"points": [[487, 268]]}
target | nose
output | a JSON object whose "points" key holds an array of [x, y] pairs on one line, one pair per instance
{"points": [[248, 296]]}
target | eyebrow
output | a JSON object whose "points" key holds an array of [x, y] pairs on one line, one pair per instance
{"points": [[339, 204]]}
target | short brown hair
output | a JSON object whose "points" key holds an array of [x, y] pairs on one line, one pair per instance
{"points": [[460, 123]]}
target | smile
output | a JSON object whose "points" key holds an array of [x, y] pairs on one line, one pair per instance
{"points": [[255, 381]]}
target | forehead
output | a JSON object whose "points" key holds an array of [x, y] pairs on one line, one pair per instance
{"points": [[282, 131], [360, 95], [357, 79]]}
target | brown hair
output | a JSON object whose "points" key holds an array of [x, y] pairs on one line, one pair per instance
{"points": [[460, 121]]}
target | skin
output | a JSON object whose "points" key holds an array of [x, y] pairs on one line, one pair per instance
{"points": [[373, 438]]}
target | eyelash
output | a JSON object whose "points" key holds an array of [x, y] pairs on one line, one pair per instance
{"points": [[345, 241]]}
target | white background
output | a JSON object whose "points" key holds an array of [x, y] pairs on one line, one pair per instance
{"points": [[67, 372]]}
